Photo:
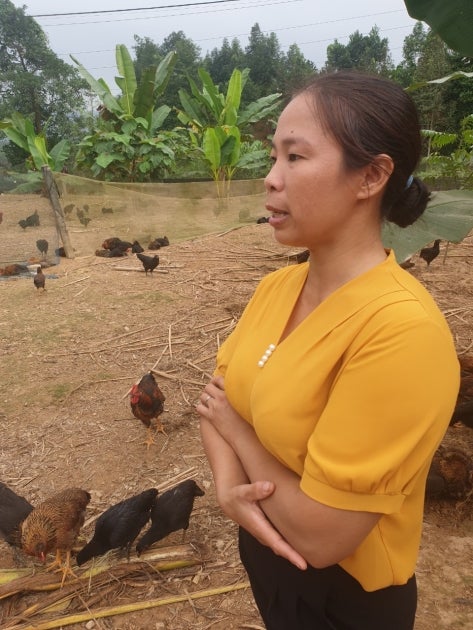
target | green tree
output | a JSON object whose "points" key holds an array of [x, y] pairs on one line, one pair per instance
{"points": [[34, 81], [411, 51], [220, 63], [368, 53], [263, 57], [458, 94], [296, 70], [187, 62], [432, 63]]}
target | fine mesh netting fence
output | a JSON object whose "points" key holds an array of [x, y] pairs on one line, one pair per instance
{"points": [[95, 211]]}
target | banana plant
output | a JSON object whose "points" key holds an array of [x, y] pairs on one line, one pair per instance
{"points": [[216, 125], [20, 130], [128, 142]]}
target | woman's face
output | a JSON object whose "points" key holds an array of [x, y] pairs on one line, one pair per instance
{"points": [[310, 195]]}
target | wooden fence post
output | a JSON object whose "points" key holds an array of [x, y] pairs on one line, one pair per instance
{"points": [[58, 212]]}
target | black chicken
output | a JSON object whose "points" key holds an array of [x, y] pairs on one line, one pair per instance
{"points": [[42, 245], [147, 402], [13, 510], [170, 512], [430, 253], [149, 262], [158, 242], [119, 525], [136, 248], [40, 279]]}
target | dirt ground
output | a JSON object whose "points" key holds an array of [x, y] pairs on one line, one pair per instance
{"points": [[70, 355]]}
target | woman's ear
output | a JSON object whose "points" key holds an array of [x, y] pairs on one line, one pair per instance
{"points": [[375, 176]]}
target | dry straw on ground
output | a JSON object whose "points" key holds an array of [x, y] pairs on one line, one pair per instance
{"points": [[69, 358]]}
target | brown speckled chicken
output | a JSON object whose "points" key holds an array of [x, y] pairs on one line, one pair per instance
{"points": [[147, 402], [53, 527], [450, 475]]}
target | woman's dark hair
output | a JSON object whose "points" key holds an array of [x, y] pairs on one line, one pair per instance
{"points": [[368, 115]]}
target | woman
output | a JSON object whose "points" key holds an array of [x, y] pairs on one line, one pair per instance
{"points": [[337, 385]]}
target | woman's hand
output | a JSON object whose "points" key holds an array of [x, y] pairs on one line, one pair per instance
{"points": [[215, 408], [241, 504]]}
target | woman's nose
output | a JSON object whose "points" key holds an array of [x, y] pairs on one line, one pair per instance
{"points": [[272, 181]]}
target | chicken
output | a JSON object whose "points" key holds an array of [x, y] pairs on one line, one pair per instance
{"points": [[430, 253], [136, 248], [115, 243], [170, 512], [158, 242], [146, 402], [106, 210], [30, 221], [13, 510], [14, 270], [40, 279], [53, 526], [42, 245], [110, 243], [149, 262], [450, 475], [119, 525], [69, 208], [85, 221]]}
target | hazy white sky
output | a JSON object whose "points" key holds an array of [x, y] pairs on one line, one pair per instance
{"points": [[311, 24]]}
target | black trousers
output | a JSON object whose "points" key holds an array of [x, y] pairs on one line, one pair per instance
{"points": [[321, 599]]}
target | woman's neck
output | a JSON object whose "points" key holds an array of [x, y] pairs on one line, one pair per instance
{"points": [[332, 267]]}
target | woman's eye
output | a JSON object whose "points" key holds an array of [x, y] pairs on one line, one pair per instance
{"points": [[292, 157], [272, 158]]}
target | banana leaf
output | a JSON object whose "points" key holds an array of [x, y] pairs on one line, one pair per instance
{"points": [[158, 117], [38, 151], [210, 88], [101, 89], [59, 154], [143, 99], [163, 72], [15, 136], [259, 109], [211, 148], [451, 19], [231, 148], [459, 74], [448, 216], [192, 110], [127, 79], [233, 98]]}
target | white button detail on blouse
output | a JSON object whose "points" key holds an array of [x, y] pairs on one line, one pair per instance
{"points": [[268, 352]]}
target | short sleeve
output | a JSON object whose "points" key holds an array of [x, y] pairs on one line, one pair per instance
{"points": [[387, 411]]}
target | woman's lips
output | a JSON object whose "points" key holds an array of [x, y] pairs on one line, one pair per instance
{"points": [[276, 216]]}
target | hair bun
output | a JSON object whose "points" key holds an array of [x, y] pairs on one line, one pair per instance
{"points": [[410, 205]]}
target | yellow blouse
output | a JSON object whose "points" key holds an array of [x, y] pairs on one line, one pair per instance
{"points": [[355, 400]]}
